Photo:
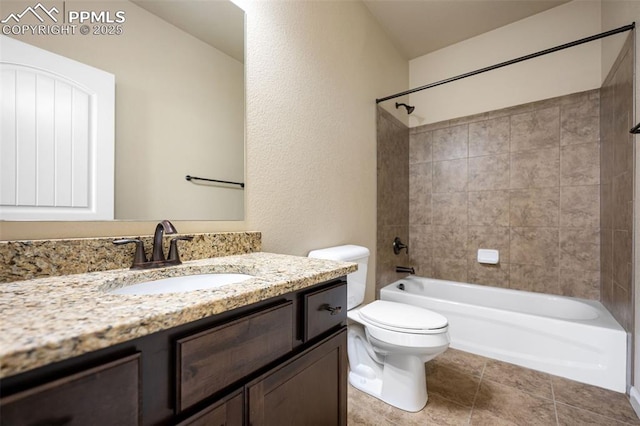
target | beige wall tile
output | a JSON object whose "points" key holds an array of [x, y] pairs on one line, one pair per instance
{"points": [[489, 208], [449, 242], [580, 164], [580, 283], [534, 207], [420, 186], [420, 209], [541, 279], [488, 237], [489, 137], [450, 176], [536, 129], [420, 147], [580, 122], [534, 246], [524, 180], [450, 143], [622, 208], [490, 275], [622, 256], [420, 249], [450, 208], [539, 168], [489, 172], [580, 248], [580, 206], [450, 269]]}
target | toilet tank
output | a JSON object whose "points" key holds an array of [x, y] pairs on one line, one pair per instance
{"points": [[356, 281]]}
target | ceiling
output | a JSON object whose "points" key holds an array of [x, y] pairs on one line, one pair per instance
{"points": [[217, 23], [418, 27]]}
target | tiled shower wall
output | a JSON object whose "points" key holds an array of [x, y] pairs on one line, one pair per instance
{"points": [[616, 175], [523, 180], [393, 195]]}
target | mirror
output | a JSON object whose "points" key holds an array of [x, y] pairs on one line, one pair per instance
{"points": [[179, 109]]}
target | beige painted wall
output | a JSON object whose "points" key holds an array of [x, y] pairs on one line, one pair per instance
{"points": [[572, 70], [313, 71], [179, 111]]}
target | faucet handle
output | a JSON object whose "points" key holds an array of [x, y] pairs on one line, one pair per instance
{"points": [[174, 256], [398, 246], [140, 256]]}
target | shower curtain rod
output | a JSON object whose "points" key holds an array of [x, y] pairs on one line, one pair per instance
{"points": [[512, 61]]}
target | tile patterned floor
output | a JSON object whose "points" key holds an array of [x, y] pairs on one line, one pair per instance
{"points": [[466, 389]]}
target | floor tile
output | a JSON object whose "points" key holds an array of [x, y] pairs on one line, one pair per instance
{"points": [[524, 379], [512, 406], [572, 416], [597, 400], [467, 389], [462, 361], [452, 384], [363, 409]]}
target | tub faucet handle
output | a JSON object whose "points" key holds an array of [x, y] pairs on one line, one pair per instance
{"points": [[398, 246]]}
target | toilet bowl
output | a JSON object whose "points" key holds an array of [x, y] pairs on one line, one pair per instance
{"points": [[388, 342]]}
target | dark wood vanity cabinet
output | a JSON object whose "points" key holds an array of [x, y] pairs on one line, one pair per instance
{"points": [[311, 389], [280, 361], [108, 394]]}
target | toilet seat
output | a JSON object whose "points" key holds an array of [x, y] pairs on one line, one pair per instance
{"points": [[403, 318]]}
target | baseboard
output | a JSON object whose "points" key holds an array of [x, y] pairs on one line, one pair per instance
{"points": [[634, 398]]}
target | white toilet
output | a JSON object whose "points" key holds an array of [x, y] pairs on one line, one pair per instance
{"points": [[388, 342]]}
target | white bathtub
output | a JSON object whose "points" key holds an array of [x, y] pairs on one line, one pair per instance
{"points": [[573, 338]]}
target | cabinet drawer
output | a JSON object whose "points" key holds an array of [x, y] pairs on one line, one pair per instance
{"points": [[209, 361], [324, 309], [109, 393]]}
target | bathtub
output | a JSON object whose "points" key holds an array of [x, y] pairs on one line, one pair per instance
{"points": [[573, 338]]}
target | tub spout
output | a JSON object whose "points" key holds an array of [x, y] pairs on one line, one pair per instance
{"points": [[406, 269]]}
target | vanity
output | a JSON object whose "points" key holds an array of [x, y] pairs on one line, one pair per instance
{"points": [[270, 350]]}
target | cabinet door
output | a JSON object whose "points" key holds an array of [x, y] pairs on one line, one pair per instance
{"points": [[105, 395], [227, 412], [311, 389]]}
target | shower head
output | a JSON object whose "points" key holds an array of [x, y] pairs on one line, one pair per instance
{"points": [[408, 107]]}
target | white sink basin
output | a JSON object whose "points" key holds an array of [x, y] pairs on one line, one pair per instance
{"points": [[183, 284]]}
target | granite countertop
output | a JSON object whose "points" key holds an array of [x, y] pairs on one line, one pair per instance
{"points": [[51, 319]]}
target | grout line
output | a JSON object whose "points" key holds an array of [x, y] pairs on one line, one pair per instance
{"points": [[555, 406], [475, 397]]}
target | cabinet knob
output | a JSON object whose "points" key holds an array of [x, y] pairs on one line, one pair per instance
{"points": [[334, 310]]}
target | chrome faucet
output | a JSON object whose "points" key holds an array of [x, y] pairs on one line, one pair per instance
{"points": [[157, 257]]}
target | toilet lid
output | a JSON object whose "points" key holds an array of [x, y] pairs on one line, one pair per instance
{"points": [[395, 315]]}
